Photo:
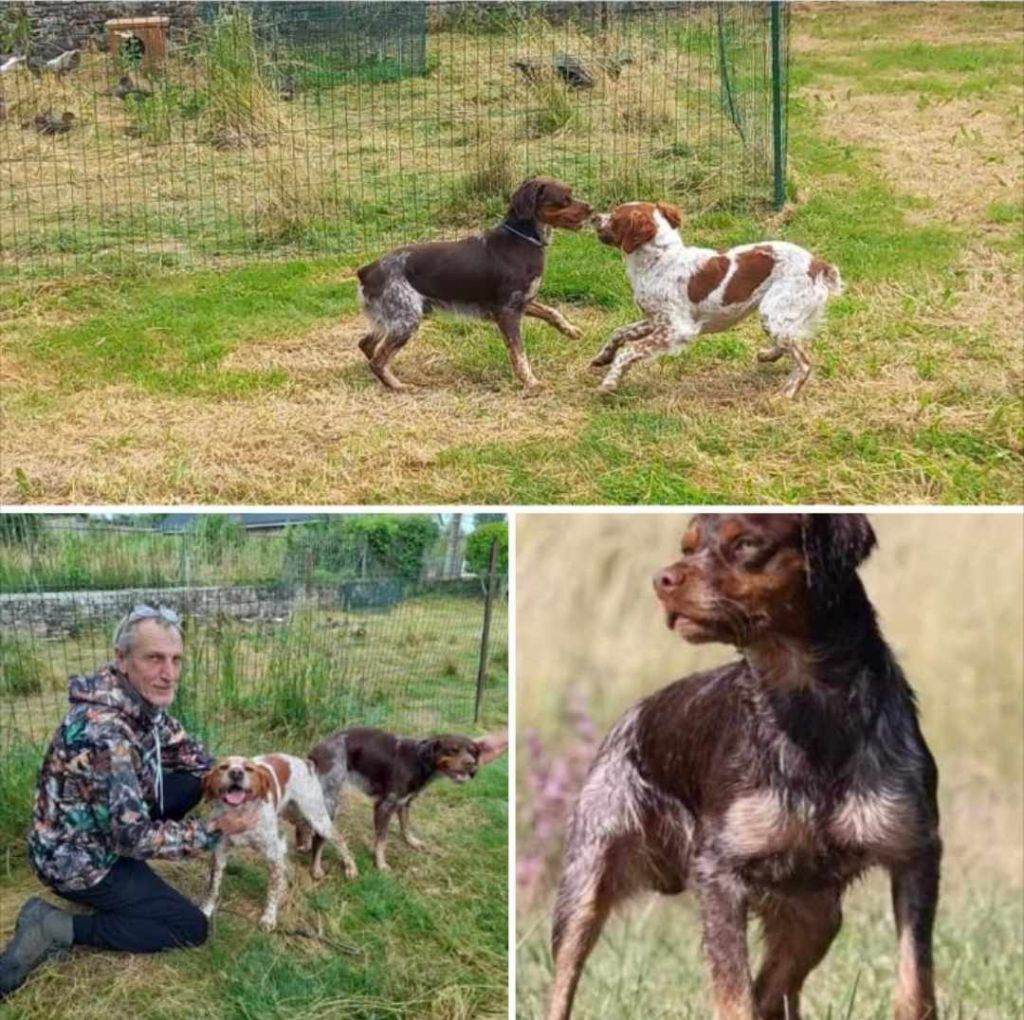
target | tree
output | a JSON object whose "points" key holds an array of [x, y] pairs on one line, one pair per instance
{"points": [[478, 548]]}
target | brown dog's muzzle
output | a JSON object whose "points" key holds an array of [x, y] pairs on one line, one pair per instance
{"points": [[678, 588], [572, 217], [669, 580]]}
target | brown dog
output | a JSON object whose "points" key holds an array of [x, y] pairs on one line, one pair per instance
{"points": [[495, 276], [393, 771], [768, 785]]}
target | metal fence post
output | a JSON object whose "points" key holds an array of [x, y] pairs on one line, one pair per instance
{"points": [[485, 637], [778, 140]]}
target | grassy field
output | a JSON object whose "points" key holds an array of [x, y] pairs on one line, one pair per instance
{"points": [[428, 940], [590, 641], [245, 385]]}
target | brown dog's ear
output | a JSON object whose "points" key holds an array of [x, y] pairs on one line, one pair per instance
{"points": [[835, 545], [637, 229], [494, 745], [523, 205], [671, 213], [211, 784]]}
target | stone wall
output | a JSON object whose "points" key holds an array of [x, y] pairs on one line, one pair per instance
{"points": [[53, 613], [62, 26]]}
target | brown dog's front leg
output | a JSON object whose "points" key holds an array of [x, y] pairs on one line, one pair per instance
{"points": [[723, 912], [915, 896], [797, 934], [508, 323], [407, 833], [554, 318], [382, 812]]}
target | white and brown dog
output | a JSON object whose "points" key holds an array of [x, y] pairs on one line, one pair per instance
{"points": [[685, 292], [286, 789]]}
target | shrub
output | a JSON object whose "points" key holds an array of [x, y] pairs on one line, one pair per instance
{"points": [[478, 548], [377, 545]]}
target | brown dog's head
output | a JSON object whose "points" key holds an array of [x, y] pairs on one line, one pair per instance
{"points": [[742, 576], [235, 780], [546, 200], [459, 757], [633, 224]]}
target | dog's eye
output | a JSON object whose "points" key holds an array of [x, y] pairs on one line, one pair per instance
{"points": [[248, 768], [746, 544]]}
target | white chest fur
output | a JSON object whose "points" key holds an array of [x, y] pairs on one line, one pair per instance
{"points": [[882, 824]]}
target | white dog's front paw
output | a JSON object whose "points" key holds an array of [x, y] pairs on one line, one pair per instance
{"points": [[268, 922]]}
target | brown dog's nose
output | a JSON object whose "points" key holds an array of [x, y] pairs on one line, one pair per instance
{"points": [[235, 772], [665, 580]]}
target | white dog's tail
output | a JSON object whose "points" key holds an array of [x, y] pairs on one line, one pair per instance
{"points": [[828, 274]]}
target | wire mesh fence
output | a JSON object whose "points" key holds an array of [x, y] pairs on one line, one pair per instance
{"points": [[289, 128], [270, 663]]}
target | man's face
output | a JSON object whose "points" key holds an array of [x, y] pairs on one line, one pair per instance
{"points": [[153, 666]]}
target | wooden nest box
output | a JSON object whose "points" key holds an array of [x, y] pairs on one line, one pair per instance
{"points": [[146, 37]]}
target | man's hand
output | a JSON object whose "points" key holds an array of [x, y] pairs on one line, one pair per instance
{"points": [[236, 821]]}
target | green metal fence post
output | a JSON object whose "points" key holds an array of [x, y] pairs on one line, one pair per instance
{"points": [[778, 138]]}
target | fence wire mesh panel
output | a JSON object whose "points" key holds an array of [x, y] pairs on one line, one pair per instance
{"points": [[291, 128], [287, 636]]}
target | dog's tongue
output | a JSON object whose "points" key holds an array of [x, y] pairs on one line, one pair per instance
{"points": [[234, 797]]}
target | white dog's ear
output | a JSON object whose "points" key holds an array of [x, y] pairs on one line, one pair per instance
{"points": [[494, 745], [671, 213]]}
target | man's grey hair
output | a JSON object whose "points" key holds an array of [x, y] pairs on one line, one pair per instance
{"points": [[124, 632]]}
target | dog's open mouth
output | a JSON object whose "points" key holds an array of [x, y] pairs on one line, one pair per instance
{"points": [[685, 623], [234, 796], [460, 776]]}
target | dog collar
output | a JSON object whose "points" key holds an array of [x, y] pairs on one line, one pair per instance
{"points": [[526, 237]]}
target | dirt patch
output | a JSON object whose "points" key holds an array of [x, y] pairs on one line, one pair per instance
{"points": [[313, 359]]}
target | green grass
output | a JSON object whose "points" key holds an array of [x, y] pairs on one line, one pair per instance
{"points": [[170, 335], [1006, 212]]}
